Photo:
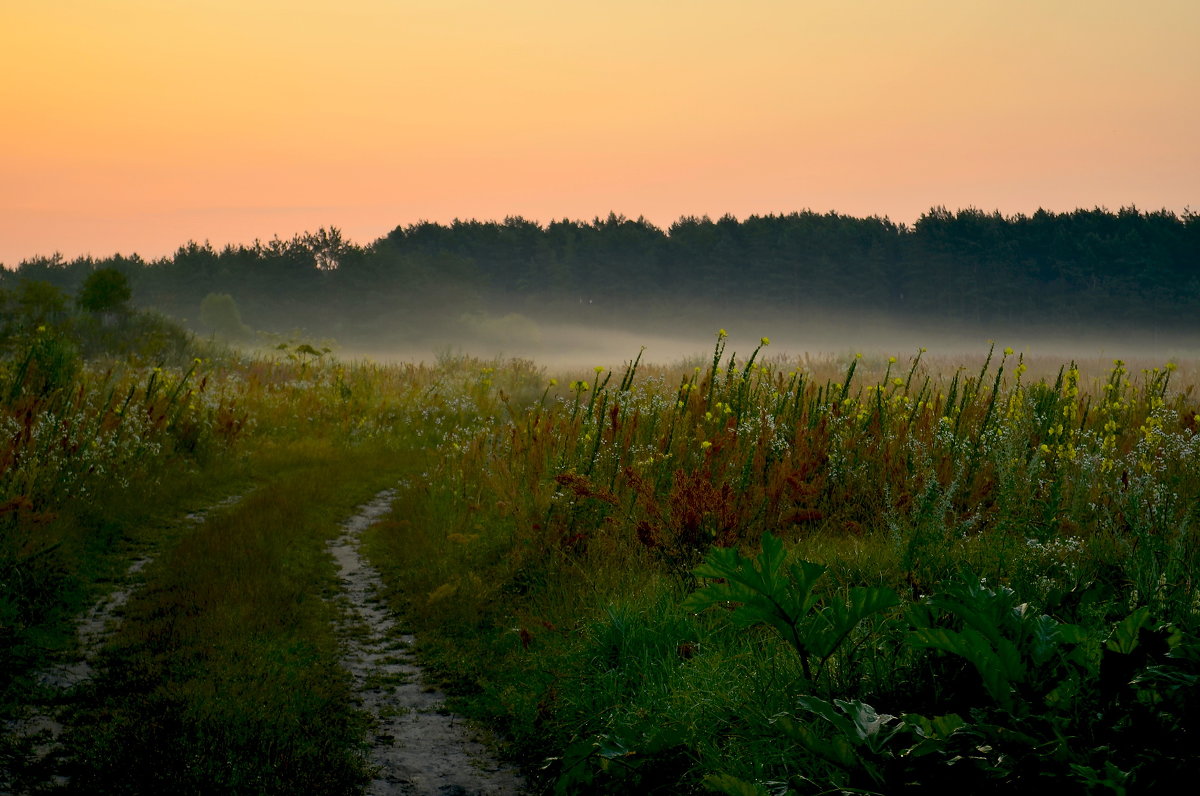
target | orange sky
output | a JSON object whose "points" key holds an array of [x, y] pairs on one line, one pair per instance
{"points": [[136, 125]]}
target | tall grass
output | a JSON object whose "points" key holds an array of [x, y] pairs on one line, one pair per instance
{"points": [[553, 547], [541, 545]]}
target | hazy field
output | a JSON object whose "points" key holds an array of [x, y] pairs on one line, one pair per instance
{"points": [[754, 565]]}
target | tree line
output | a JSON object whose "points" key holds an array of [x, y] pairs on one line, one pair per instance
{"points": [[1073, 270]]}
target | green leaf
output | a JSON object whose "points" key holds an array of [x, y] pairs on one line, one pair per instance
{"points": [[933, 732], [1124, 636], [1045, 639], [867, 722], [830, 713], [732, 786], [765, 592], [998, 666], [838, 619], [837, 750]]}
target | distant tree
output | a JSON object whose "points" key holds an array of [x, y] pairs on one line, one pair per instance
{"points": [[327, 247], [104, 290], [39, 302], [7, 313], [219, 312]]}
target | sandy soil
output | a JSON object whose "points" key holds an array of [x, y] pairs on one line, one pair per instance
{"points": [[417, 748]]}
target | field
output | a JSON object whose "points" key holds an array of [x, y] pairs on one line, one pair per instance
{"points": [[743, 573]]}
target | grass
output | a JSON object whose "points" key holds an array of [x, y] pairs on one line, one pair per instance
{"points": [[226, 669], [545, 565], [555, 546]]}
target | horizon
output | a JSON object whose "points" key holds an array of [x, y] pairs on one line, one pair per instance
{"points": [[543, 224], [138, 127]]}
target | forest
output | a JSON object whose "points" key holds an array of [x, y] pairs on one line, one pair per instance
{"points": [[1077, 271]]}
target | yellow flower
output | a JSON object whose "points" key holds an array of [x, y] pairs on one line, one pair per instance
{"points": [[1008, 352], [553, 382], [765, 341], [599, 368], [705, 445], [891, 360], [722, 334]]}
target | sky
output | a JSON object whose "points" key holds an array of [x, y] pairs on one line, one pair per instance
{"points": [[134, 126]]}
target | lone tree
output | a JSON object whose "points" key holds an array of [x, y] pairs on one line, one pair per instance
{"points": [[219, 312], [105, 290], [39, 302]]}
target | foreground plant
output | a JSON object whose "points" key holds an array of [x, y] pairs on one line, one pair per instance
{"points": [[769, 590]]}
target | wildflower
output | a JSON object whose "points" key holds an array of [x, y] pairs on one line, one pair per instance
{"points": [[1171, 366], [599, 368], [891, 360], [705, 445], [1008, 352], [553, 382], [765, 341], [858, 355], [722, 334]]}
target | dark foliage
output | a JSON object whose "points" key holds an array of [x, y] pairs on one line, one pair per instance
{"points": [[1079, 270]]}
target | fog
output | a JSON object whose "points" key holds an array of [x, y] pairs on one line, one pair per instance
{"points": [[819, 341]]}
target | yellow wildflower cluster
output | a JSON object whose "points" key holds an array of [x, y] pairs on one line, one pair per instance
{"points": [[1062, 435], [1114, 405], [1016, 398], [717, 410]]}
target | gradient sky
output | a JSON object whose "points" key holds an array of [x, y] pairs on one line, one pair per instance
{"points": [[136, 125]]}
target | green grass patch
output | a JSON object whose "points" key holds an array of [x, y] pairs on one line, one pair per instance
{"points": [[224, 674]]}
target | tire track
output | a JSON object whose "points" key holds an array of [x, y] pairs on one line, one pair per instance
{"points": [[41, 728], [418, 747]]}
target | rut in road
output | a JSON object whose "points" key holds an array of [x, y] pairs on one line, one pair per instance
{"points": [[418, 748], [41, 727]]}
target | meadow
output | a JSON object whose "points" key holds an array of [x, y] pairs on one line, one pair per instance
{"points": [[742, 573]]}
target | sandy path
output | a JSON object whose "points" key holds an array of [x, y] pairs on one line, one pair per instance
{"points": [[418, 748]]}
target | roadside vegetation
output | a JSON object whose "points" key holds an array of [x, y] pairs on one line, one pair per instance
{"points": [[744, 574], [759, 577]]}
